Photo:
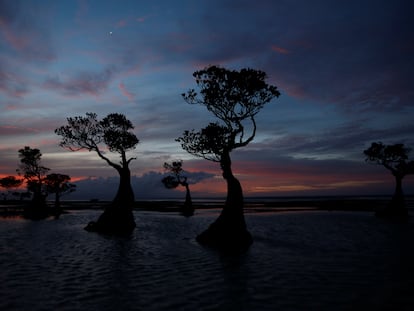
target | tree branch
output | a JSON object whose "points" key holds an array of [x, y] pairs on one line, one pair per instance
{"points": [[116, 166]]}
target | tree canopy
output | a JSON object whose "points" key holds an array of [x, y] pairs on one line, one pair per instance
{"points": [[234, 97], [176, 176], [59, 184], [208, 143], [33, 172], [89, 133], [393, 157]]}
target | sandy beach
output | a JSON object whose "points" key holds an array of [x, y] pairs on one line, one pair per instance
{"points": [[300, 260]]}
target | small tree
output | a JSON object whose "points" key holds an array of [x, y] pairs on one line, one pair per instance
{"points": [[59, 184], [175, 179], [234, 97], [115, 133], [34, 174], [395, 159], [10, 182]]}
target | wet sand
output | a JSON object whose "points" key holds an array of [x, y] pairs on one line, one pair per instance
{"points": [[307, 260], [252, 205]]}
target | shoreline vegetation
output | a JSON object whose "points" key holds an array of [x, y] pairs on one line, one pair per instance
{"points": [[252, 205]]}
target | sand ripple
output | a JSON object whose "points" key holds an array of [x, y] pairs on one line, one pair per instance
{"points": [[299, 261]]}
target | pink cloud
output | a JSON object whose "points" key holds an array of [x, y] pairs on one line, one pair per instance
{"points": [[121, 23], [280, 50], [125, 92], [12, 84], [16, 130], [18, 43], [11, 107], [30, 41], [142, 19]]}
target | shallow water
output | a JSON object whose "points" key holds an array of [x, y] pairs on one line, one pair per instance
{"points": [[299, 261]]}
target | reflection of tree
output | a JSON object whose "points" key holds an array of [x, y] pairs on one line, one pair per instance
{"points": [[34, 174], [10, 182], [59, 184], [115, 132], [175, 179], [234, 97], [395, 159]]}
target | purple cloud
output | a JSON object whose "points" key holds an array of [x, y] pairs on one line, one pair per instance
{"points": [[23, 33], [12, 84], [92, 83], [352, 53], [147, 186]]}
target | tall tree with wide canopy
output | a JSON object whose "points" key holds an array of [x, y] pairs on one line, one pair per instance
{"points": [[234, 97], [395, 159], [178, 178], [34, 175], [115, 133]]}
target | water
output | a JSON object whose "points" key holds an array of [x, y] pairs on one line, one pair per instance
{"points": [[299, 261]]}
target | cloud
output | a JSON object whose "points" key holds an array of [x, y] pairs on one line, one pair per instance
{"points": [[12, 84], [278, 175], [24, 33], [125, 92], [147, 186], [356, 55], [121, 23], [7, 130], [361, 61], [91, 83], [279, 49], [326, 140], [25, 44]]}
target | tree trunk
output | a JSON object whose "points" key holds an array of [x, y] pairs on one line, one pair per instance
{"points": [[37, 209], [118, 219], [398, 194], [57, 210], [229, 232], [188, 209], [125, 195], [396, 209]]}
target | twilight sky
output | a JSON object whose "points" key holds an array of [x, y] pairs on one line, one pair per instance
{"points": [[344, 69]]}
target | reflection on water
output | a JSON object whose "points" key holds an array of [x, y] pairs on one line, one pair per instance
{"points": [[299, 261]]}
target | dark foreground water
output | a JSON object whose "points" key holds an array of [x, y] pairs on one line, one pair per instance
{"points": [[299, 261]]}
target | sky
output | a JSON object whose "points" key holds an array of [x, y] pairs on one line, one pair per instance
{"points": [[344, 70]]}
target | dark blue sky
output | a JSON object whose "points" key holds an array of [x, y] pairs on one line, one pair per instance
{"points": [[344, 69]]}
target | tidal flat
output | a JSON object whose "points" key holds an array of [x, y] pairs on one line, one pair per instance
{"points": [[300, 260]]}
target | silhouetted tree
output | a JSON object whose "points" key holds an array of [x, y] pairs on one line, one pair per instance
{"points": [[34, 174], [10, 182], [234, 97], [395, 159], [59, 184], [175, 179], [115, 132]]}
